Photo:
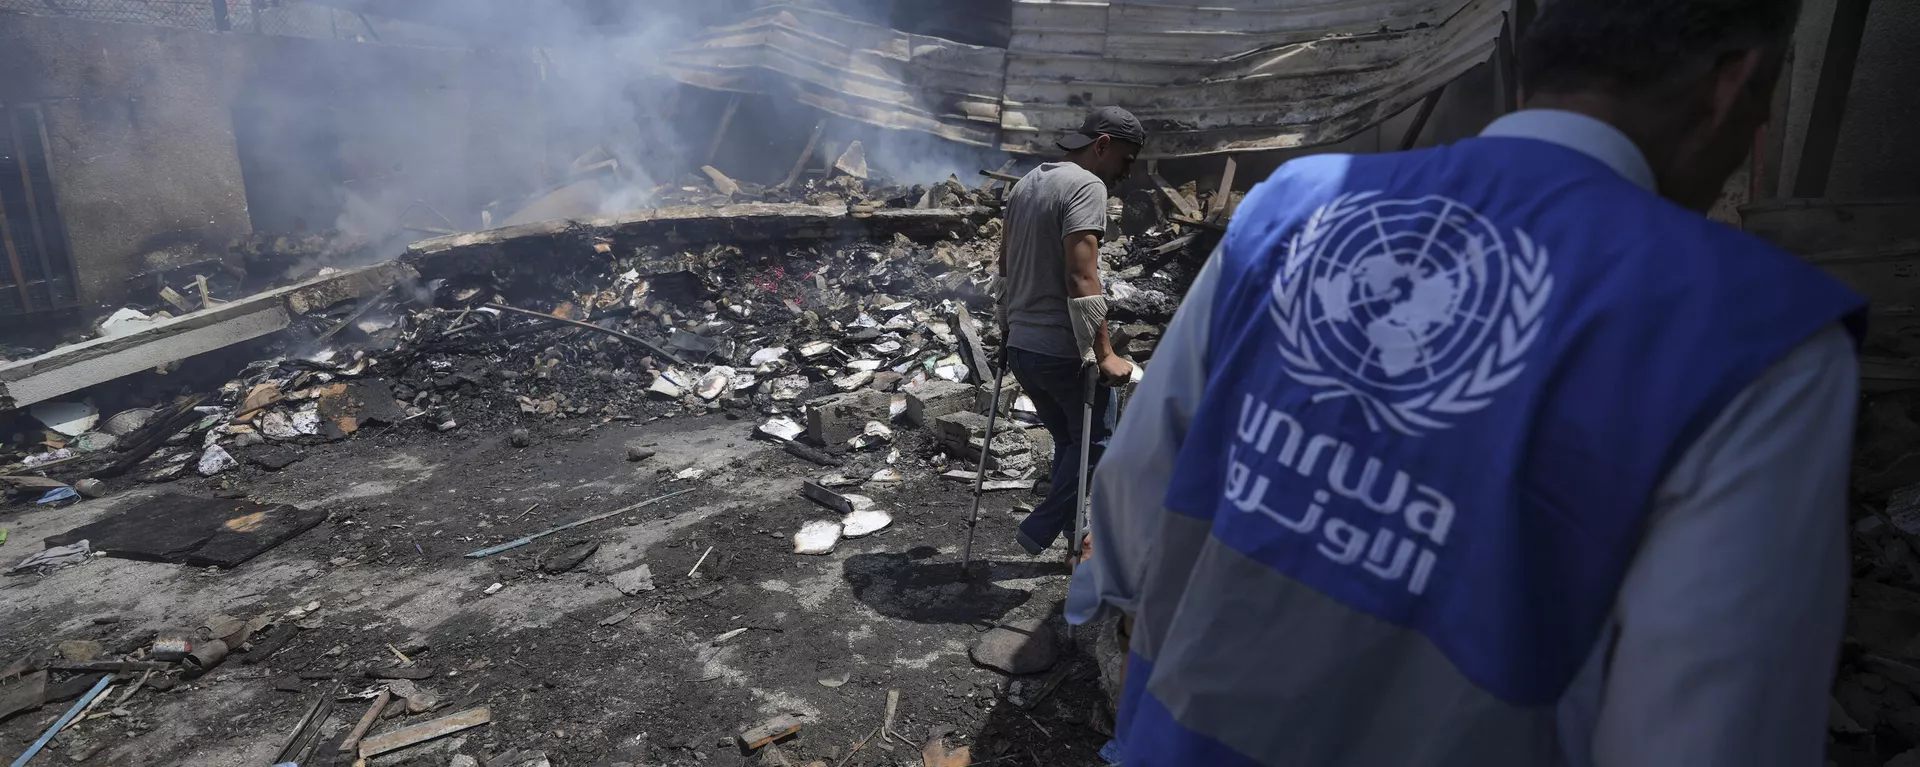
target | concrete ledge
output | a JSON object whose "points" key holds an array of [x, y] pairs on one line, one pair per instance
{"points": [[684, 225], [72, 368]]}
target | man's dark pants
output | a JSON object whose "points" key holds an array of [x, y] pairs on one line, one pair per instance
{"points": [[1056, 386]]}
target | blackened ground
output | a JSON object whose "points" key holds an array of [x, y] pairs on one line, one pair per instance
{"points": [[888, 612]]}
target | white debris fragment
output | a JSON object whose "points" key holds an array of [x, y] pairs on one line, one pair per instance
{"points": [[782, 428], [1024, 404], [865, 366], [494, 589], [42, 459], [956, 372], [216, 460], [306, 420], [887, 476], [896, 308], [860, 502], [838, 480], [634, 582], [667, 385], [715, 383], [888, 347], [875, 435], [855, 381], [302, 611], [816, 349], [767, 355], [70, 418], [789, 388], [691, 472], [744, 381], [862, 523], [816, 538], [897, 407]]}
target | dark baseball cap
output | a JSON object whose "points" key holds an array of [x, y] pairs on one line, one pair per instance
{"points": [[1105, 121]]}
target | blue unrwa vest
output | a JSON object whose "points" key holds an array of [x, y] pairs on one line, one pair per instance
{"points": [[1442, 388]]}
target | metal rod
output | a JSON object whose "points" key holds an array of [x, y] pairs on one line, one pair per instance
{"points": [[1427, 104], [65, 719], [986, 453], [800, 165], [590, 326], [517, 543], [1080, 524], [1829, 109]]}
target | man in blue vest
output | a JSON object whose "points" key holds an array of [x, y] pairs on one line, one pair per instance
{"points": [[1498, 453]]}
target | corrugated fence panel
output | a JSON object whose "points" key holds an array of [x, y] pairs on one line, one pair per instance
{"points": [[1259, 74]]}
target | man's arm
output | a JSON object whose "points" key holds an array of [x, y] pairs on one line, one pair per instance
{"points": [[1129, 488], [1731, 615], [1083, 281]]}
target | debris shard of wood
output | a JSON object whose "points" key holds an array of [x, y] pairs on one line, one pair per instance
{"points": [[777, 729], [421, 733]]}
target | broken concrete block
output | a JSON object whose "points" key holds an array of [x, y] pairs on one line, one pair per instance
{"points": [[934, 398], [815, 538], [634, 582], [1009, 393], [961, 435], [834, 419]]}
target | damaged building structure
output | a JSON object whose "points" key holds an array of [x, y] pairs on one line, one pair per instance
{"points": [[585, 381]]}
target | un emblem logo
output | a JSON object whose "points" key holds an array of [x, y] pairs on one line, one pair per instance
{"points": [[1418, 309]]}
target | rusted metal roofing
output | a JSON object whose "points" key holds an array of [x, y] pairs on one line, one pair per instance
{"points": [[1234, 75]]}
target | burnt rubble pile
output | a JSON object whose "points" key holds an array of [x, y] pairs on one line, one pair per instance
{"points": [[1876, 700], [596, 328]]}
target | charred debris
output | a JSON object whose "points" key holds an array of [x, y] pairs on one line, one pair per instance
{"points": [[761, 303]]}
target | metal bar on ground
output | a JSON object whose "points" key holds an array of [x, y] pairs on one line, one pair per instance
{"points": [[65, 719], [1830, 97], [590, 326], [518, 542]]}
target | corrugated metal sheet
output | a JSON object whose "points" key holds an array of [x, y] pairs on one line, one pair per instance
{"points": [[856, 70], [1235, 76]]}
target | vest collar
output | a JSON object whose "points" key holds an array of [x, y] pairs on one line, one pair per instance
{"points": [[1579, 133]]}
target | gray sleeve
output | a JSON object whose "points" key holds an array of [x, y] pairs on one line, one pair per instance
{"points": [[1085, 210], [1131, 481], [1731, 615]]}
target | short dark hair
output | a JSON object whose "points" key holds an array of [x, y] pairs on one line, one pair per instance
{"points": [[1624, 45]]}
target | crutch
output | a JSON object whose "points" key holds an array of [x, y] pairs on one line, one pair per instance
{"points": [[986, 451], [1090, 387]]}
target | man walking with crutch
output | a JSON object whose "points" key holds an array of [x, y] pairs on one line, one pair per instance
{"points": [[1054, 309]]}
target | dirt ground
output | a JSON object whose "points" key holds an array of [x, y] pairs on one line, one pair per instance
{"points": [[887, 612]]}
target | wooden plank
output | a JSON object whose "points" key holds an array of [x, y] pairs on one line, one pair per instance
{"points": [[421, 733], [1186, 206], [33, 207], [1412, 136], [720, 131], [6, 236], [806, 154], [1830, 97], [1003, 174], [1223, 199]]}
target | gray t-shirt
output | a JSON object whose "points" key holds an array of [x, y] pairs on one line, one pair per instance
{"points": [[1055, 200]]}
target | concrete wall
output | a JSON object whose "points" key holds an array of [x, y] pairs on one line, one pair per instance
{"points": [[144, 158], [167, 143], [1878, 155]]}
